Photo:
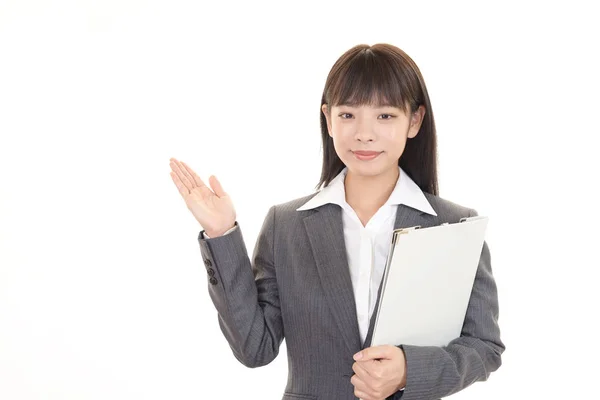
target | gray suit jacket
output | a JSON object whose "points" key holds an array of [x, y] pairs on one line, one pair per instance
{"points": [[298, 286]]}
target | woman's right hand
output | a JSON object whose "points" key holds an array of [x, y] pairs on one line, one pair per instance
{"points": [[213, 209]]}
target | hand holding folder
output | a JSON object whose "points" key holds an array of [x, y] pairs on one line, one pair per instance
{"points": [[427, 283]]}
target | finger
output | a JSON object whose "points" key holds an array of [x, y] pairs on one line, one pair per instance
{"points": [[216, 186], [373, 367], [183, 190], [361, 395], [183, 176], [360, 388], [375, 352], [358, 383], [194, 176], [360, 370]]}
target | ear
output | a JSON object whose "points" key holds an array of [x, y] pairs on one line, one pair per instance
{"points": [[326, 112], [416, 120]]}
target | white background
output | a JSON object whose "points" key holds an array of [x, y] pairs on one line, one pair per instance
{"points": [[103, 293]]}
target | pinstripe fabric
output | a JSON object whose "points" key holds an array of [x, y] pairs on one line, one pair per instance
{"points": [[298, 286]]}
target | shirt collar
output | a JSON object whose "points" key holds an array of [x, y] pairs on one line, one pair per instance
{"points": [[405, 192]]}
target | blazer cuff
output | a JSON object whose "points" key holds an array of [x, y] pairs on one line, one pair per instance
{"points": [[203, 234]]}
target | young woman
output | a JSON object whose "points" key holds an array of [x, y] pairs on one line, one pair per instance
{"points": [[319, 259]]}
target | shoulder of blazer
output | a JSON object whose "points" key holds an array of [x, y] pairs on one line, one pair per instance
{"points": [[448, 211], [292, 205]]}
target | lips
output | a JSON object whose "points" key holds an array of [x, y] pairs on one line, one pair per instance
{"points": [[366, 155]]}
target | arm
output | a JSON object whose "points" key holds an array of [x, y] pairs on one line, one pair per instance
{"points": [[433, 372], [245, 294]]}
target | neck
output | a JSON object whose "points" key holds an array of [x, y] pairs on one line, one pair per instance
{"points": [[369, 193]]}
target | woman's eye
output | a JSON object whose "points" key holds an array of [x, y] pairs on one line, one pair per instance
{"points": [[348, 116]]}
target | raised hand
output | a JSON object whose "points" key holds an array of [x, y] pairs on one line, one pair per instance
{"points": [[213, 209]]}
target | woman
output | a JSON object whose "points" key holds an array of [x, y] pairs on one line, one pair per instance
{"points": [[319, 259]]}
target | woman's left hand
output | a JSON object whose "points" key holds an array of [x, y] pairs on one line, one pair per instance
{"points": [[379, 371]]}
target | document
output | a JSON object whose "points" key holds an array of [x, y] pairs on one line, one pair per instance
{"points": [[427, 283]]}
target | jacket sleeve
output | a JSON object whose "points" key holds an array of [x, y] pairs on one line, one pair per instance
{"points": [[245, 293], [434, 372]]}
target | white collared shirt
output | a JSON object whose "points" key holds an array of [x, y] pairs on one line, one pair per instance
{"points": [[367, 247]]}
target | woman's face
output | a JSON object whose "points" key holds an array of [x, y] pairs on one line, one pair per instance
{"points": [[383, 130]]}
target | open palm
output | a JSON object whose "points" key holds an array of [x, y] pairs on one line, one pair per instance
{"points": [[213, 209]]}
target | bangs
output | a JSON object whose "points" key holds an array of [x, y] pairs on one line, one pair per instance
{"points": [[370, 79]]}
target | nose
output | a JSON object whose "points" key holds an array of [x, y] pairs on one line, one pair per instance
{"points": [[364, 131]]}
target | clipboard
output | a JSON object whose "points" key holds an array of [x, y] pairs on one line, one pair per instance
{"points": [[427, 283]]}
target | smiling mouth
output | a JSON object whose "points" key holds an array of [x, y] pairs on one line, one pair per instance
{"points": [[366, 156]]}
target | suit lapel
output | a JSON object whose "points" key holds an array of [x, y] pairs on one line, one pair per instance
{"points": [[407, 216], [326, 236]]}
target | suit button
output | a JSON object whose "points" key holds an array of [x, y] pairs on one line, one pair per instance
{"points": [[210, 271], [213, 281], [207, 263]]}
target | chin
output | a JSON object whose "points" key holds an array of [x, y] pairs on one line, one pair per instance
{"points": [[359, 168]]}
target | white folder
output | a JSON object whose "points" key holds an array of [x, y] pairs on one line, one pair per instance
{"points": [[427, 283]]}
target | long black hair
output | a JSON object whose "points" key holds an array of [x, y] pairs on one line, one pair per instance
{"points": [[382, 74]]}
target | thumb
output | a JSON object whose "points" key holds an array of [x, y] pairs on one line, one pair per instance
{"points": [[216, 186], [371, 353]]}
